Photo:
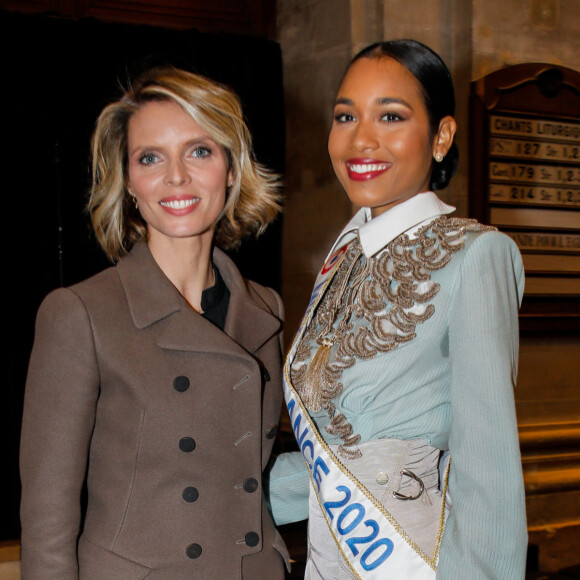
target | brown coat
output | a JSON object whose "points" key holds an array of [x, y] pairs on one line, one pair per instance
{"points": [[176, 418]]}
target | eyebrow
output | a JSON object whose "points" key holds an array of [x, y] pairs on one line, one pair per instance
{"points": [[192, 142], [379, 101]]}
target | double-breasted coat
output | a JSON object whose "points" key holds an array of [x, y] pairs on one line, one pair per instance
{"points": [[170, 420]]}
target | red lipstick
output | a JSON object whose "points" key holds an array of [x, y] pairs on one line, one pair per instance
{"points": [[365, 169]]}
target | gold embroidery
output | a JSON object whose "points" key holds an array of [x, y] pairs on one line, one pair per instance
{"points": [[372, 305]]}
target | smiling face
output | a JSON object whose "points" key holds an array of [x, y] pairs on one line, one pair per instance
{"points": [[380, 144], [176, 171]]}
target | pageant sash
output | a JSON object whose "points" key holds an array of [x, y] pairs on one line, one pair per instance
{"points": [[368, 537]]}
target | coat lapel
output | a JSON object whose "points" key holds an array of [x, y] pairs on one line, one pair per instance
{"points": [[153, 300], [250, 321]]}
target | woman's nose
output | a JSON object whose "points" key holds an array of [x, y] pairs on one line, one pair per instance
{"points": [[365, 138], [177, 173]]}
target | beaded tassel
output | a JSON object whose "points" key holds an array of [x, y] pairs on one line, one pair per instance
{"points": [[313, 384]]}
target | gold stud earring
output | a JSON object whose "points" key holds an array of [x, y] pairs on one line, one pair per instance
{"points": [[438, 156]]}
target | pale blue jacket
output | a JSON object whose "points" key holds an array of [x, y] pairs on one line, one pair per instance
{"points": [[452, 385]]}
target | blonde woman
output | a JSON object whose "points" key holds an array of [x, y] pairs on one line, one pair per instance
{"points": [[157, 381]]}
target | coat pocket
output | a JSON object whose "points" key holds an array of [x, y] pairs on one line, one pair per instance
{"points": [[97, 563]]}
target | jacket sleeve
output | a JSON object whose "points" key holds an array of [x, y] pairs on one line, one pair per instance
{"points": [[289, 488], [59, 413], [485, 535]]}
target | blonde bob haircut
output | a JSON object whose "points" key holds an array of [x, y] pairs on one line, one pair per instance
{"points": [[252, 201]]}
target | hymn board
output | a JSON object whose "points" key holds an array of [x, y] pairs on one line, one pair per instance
{"points": [[525, 177]]}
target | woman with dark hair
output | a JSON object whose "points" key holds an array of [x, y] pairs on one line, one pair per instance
{"points": [[158, 380], [399, 384]]}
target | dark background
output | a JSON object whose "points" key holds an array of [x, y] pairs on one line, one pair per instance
{"points": [[56, 76]]}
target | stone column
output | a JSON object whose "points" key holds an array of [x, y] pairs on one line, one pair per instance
{"points": [[315, 36], [445, 26]]}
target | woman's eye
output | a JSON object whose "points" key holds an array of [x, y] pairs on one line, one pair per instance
{"points": [[148, 159], [201, 151], [391, 117], [343, 117]]}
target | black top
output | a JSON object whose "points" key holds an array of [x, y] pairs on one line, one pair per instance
{"points": [[215, 301]]}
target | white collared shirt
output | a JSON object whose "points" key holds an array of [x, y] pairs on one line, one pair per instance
{"points": [[376, 233]]}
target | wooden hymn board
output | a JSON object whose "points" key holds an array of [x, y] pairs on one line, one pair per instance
{"points": [[525, 177]]}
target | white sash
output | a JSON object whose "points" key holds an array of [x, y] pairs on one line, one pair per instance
{"points": [[368, 537]]}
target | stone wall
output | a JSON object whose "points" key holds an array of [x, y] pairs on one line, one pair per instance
{"points": [[507, 32]]}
